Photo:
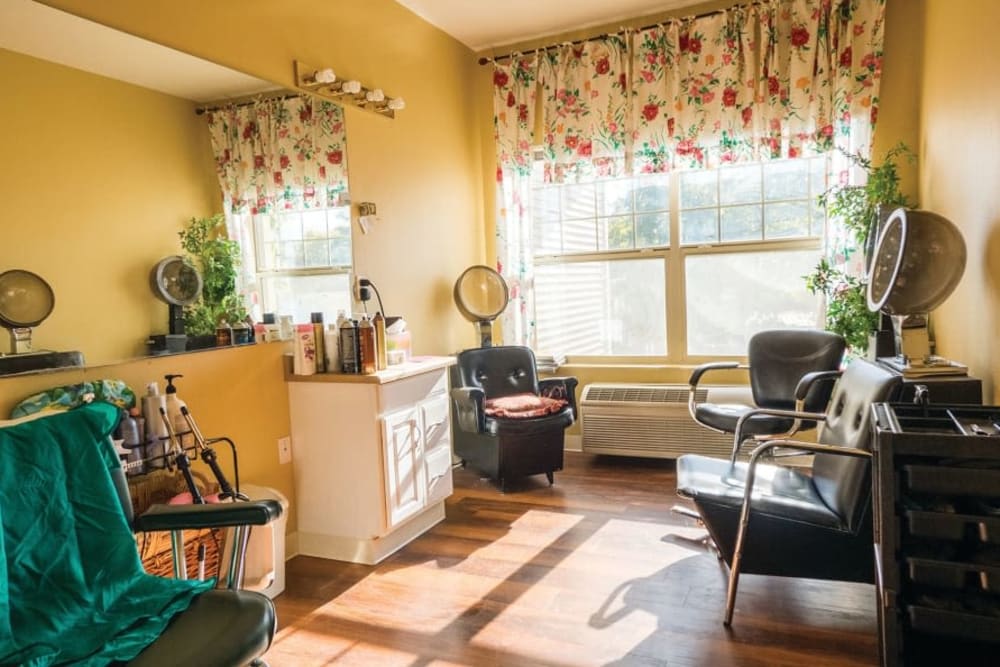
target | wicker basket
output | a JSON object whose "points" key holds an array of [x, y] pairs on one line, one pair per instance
{"points": [[159, 487]]}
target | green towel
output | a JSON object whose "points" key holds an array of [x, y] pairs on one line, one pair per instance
{"points": [[73, 587]]}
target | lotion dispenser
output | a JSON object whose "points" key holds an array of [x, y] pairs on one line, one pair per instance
{"points": [[174, 405]]}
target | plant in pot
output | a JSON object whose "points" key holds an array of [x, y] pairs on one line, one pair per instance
{"points": [[217, 257], [862, 209]]}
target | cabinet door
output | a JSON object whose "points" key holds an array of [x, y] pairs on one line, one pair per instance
{"points": [[405, 475], [437, 447]]}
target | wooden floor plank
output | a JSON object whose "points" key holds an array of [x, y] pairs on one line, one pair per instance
{"points": [[592, 571]]}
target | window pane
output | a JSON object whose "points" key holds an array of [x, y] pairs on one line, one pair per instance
{"points": [[580, 235], [818, 218], [614, 197], [299, 296], [602, 308], [739, 185], [578, 201], [732, 296], [742, 223], [817, 175], [314, 224], [545, 204], [290, 255], [700, 226], [782, 221], [289, 226], [787, 179], [618, 234], [699, 188], [652, 193], [652, 229], [317, 253]]}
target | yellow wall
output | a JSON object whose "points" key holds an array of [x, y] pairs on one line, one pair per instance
{"points": [[98, 177], [960, 172]]}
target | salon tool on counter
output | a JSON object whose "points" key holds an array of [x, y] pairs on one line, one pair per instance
{"points": [[181, 459], [210, 458]]}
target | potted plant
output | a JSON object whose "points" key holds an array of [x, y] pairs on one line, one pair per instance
{"points": [[862, 209], [217, 257]]}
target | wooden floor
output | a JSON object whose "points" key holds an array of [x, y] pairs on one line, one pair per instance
{"points": [[591, 571]]}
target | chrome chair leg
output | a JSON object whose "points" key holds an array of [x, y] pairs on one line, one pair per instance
{"points": [[177, 552], [734, 569]]}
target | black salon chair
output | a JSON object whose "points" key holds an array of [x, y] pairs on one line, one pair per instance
{"points": [[220, 627], [508, 422], [777, 361], [776, 520]]}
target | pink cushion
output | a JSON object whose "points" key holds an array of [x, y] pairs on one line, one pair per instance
{"points": [[521, 406]]}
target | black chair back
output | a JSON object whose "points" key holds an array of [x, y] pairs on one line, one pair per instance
{"points": [[499, 371], [843, 482], [779, 358]]}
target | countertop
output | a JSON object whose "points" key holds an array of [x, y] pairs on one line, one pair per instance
{"points": [[415, 366]]}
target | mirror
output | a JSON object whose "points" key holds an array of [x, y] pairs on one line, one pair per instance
{"points": [[105, 162]]}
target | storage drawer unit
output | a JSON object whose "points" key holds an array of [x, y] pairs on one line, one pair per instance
{"points": [[937, 531]]}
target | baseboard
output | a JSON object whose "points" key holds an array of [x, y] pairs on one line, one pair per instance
{"points": [[573, 443], [291, 545]]}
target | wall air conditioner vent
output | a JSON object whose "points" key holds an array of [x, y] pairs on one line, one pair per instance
{"points": [[648, 420]]}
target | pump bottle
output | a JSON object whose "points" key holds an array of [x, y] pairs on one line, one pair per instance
{"points": [[174, 405], [156, 430]]}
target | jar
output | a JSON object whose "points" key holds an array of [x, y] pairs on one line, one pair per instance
{"points": [[223, 334], [241, 333]]}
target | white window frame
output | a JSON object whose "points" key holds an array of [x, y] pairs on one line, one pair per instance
{"points": [[675, 256]]}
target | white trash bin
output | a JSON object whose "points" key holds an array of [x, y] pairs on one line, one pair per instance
{"points": [[265, 565]]}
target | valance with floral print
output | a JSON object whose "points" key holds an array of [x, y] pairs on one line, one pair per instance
{"points": [[280, 154], [772, 79]]}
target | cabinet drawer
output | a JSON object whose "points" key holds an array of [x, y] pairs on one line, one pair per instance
{"points": [[954, 624], [407, 392], [943, 526], [439, 484], [952, 481]]}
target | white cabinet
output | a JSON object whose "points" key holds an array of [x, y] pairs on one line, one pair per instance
{"points": [[372, 458]]}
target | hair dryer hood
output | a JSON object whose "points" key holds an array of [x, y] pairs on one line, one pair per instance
{"points": [[918, 260]]}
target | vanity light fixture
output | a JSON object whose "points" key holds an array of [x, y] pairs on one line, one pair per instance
{"points": [[324, 82]]}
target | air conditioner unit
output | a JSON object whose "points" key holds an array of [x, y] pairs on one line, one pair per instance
{"points": [[651, 420]]}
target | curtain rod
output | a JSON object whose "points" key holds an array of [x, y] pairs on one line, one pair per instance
{"points": [[290, 96], [484, 60]]}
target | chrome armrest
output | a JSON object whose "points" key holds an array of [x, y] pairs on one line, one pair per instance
{"points": [[798, 416], [696, 378]]}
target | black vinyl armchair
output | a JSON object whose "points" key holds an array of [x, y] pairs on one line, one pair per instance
{"points": [[508, 422], [777, 520], [777, 362]]}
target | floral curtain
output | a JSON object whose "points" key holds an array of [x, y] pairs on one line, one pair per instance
{"points": [[766, 80], [514, 98], [280, 154]]}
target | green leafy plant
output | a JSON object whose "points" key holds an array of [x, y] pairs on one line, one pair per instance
{"points": [[217, 258], [859, 207]]}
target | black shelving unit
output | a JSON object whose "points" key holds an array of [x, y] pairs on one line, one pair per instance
{"points": [[936, 480]]}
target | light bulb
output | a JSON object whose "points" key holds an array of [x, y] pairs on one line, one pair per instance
{"points": [[396, 103], [324, 76], [375, 95]]}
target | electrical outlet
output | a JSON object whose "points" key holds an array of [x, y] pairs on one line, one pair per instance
{"points": [[357, 286], [285, 450]]}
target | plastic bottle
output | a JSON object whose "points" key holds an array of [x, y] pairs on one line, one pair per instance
{"points": [[331, 345], [366, 341], [174, 405], [319, 340], [156, 430], [304, 361], [349, 352], [380, 354]]}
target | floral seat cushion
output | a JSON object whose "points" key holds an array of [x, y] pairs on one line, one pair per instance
{"points": [[522, 406]]}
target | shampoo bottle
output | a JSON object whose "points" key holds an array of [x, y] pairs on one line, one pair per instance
{"points": [[174, 405], [304, 362], [320, 340], [366, 341], [156, 430]]}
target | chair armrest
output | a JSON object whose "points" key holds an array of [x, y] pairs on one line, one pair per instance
{"points": [[560, 387], [792, 414], [713, 366], [214, 515], [469, 410], [696, 378], [807, 382]]}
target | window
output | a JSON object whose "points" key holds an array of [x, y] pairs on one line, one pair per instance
{"points": [[297, 262], [609, 280]]}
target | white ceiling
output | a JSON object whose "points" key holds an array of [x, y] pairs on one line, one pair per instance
{"points": [[50, 34], [481, 25]]}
